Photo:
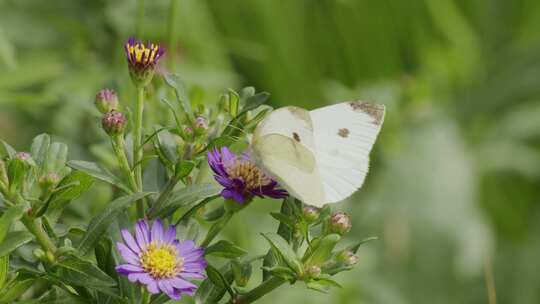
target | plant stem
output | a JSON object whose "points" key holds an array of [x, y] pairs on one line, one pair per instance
{"points": [[216, 228], [137, 149], [140, 19], [34, 226], [194, 209], [163, 196], [259, 291], [171, 31], [118, 145]]}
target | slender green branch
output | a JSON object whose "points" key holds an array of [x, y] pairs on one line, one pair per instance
{"points": [[137, 143], [118, 145], [194, 209], [163, 196], [34, 226], [216, 228], [259, 291]]}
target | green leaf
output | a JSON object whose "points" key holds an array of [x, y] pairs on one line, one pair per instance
{"points": [[40, 147], [323, 250], [354, 248], [284, 250], [208, 292], [215, 214], [7, 150], [13, 241], [255, 101], [315, 285], [175, 82], [217, 278], [184, 168], [98, 172], [241, 272], [15, 289], [9, 217], [99, 224], [4, 267], [188, 195], [167, 144], [281, 272], [225, 249], [286, 220], [56, 158], [81, 183], [79, 272], [234, 102]]}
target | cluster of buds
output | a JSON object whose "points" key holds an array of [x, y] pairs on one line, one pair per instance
{"points": [[113, 121], [193, 137]]}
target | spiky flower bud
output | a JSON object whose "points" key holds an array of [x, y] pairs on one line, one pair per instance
{"points": [[114, 123], [340, 223], [347, 257], [49, 181], [187, 132], [311, 213], [314, 271], [201, 123], [106, 101], [24, 156]]}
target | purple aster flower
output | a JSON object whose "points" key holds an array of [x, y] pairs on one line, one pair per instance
{"points": [[241, 178], [142, 59], [158, 260]]}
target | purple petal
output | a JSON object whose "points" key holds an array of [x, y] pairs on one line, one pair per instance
{"points": [[167, 288], [157, 232], [170, 234], [233, 195], [141, 277], [181, 284], [142, 234], [192, 275], [152, 287], [185, 247], [194, 255], [126, 253], [198, 266], [130, 241], [126, 269]]}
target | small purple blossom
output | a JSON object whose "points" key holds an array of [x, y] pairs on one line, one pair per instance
{"points": [[241, 178], [114, 123], [106, 101], [155, 258], [142, 56]]}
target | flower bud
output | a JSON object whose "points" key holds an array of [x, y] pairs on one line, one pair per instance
{"points": [[142, 59], [114, 123], [340, 223], [201, 123], [314, 271], [49, 181], [106, 101], [311, 213], [241, 272], [24, 156], [347, 257], [187, 132]]}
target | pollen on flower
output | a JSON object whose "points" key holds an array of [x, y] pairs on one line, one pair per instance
{"points": [[143, 55], [161, 261], [245, 170]]}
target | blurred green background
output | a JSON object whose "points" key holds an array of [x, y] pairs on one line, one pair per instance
{"points": [[455, 181]]}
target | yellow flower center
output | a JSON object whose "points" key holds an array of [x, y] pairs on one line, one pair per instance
{"points": [[161, 261], [143, 54], [245, 170]]}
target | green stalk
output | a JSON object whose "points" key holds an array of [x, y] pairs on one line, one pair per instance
{"points": [[137, 149], [259, 291], [34, 226], [118, 145], [163, 196], [216, 228]]}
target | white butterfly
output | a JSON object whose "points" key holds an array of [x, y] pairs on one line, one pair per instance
{"points": [[319, 156]]}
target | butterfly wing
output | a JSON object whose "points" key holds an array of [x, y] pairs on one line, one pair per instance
{"points": [[283, 145], [343, 136]]}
